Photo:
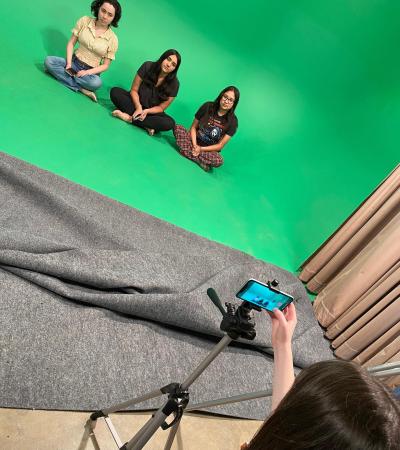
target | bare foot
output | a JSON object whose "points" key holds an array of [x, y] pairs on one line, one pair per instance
{"points": [[150, 131], [121, 115], [89, 94]]}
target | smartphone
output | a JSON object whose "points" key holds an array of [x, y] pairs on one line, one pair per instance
{"points": [[263, 295], [71, 71]]}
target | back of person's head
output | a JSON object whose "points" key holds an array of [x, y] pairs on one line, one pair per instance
{"points": [[333, 405]]}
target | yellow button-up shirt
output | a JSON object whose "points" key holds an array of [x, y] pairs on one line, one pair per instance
{"points": [[93, 49]]}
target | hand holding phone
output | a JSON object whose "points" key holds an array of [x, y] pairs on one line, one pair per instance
{"points": [[137, 113], [71, 71], [283, 325]]}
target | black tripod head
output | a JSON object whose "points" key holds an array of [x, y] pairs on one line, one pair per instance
{"points": [[236, 321]]}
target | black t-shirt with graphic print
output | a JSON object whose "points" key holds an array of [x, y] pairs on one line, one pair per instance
{"points": [[215, 127], [149, 94]]}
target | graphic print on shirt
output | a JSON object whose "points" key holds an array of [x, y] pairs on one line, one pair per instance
{"points": [[212, 132]]}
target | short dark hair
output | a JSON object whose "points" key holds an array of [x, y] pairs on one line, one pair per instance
{"points": [[333, 405], [155, 69], [96, 5]]}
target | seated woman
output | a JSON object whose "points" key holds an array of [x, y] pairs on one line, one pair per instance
{"points": [[214, 124], [153, 89], [97, 47], [331, 405]]}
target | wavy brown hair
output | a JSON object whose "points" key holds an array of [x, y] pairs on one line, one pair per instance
{"points": [[96, 5]]}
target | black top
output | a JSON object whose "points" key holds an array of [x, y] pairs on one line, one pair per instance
{"points": [[149, 94], [215, 127]]}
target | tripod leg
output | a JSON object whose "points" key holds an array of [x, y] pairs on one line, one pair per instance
{"points": [[146, 432], [156, 393], [171, 435], [134, 401], [224, 342], [227, 400]]}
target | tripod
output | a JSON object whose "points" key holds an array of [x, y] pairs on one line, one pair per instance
{"points": [[236, 323]]}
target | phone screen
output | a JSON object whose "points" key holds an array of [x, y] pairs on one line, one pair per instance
{"points": [[71, 72], [264, 296]]}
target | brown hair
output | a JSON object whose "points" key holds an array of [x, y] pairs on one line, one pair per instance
{"points": [[333, 405], [97, 4]]}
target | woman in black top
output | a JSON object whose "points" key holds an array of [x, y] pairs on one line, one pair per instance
{"points": [[154, 88], [214, 124]]}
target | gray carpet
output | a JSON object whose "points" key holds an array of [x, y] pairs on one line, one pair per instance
{"points": [[100, 302]]}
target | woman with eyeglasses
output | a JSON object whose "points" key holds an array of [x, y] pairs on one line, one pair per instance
{"points": [[80, 70], [213, 125], [153, 89]]}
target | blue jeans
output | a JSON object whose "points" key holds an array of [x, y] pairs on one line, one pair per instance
{"points": [[56, 67]]}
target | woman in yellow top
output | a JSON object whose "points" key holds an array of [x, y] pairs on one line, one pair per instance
{"points": [[97, 47]]}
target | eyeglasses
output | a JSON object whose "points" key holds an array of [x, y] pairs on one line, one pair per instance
{"points": [[228, 99]]}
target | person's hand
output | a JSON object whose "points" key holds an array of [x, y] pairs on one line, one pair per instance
{"points": [[137, 113], [68, 66], [283, 325], [196, 150], [143, 115], [81, 73]]}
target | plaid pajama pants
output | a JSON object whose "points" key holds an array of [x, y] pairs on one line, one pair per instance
{"points": [[205, 159]]}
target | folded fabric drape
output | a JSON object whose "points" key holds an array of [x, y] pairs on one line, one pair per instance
{"points": [[356, 274], [354, 280], [368, 219]]}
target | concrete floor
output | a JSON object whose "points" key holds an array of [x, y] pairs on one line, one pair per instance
{"points": [[62, 430]]}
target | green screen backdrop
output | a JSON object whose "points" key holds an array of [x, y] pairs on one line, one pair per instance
{"points": [[318, 114]]}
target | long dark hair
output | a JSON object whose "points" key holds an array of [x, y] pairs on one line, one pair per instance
{"points": [[96, 4], [164, 89], [214, 106], [333, 405]]}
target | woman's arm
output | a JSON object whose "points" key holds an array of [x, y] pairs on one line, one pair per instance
{"points": [[95, 70], [137, 81], [193, 132], [70, 50], [156, 109], [211, 148], [216, 147], [161, 107], [283, 374], [283, 325]]}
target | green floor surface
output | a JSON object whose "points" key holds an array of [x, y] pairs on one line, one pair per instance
{"points": [[318, 116]]}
